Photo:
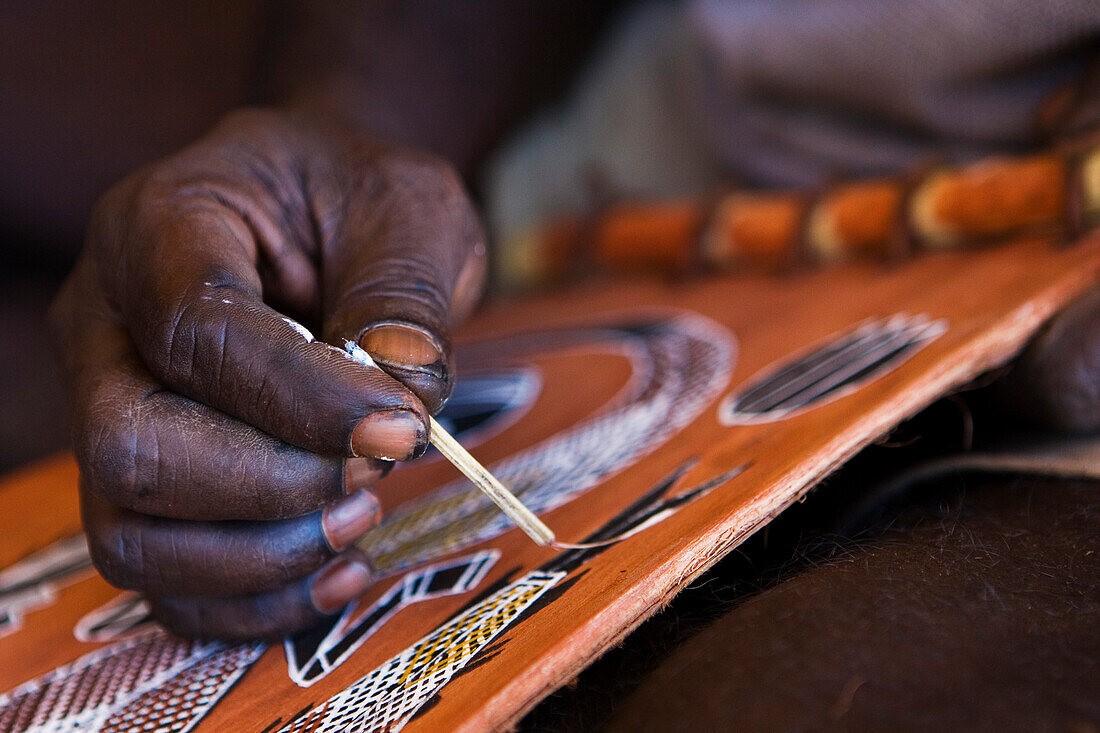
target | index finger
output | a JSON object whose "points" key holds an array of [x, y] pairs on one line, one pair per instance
{"points": [[192, 301]]}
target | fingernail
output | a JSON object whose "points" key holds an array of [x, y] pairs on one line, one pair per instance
{"points": [[400, 345], [396, 435], [339, 582], [348, 519], [362, 473]]}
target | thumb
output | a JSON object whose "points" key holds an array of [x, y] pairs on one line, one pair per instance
{"points": [[409, 260]]}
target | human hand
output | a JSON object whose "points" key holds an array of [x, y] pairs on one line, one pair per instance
{"points": [[226, 457], [1055, 383]]}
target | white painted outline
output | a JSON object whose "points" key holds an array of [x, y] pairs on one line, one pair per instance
{"points": [[412, 588], [362, 706], [36, 569], [85, 627]]}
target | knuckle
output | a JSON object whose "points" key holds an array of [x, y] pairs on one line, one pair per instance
{"points": [[410, 161], [275, 564], [233, 619], [301, 486], [188, 336], [118, 555], [118, 457], [409, 280], [105, 447], [420, 173], [187, 342], [428, 202]]}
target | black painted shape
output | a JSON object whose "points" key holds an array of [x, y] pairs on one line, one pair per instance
{"points": [[624, 521], [314, 671], [641, 511], [271, 726], [484, 656], [547, 598], [307, 642], [489, 590], [828, 383], [475, 406], [445, 579], [117, 621], [755, 398], [644, 508], [851, 358], [458, 425], [361, 628], [642, 329]]}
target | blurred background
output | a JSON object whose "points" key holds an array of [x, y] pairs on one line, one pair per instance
{"points": [[549, 109]]}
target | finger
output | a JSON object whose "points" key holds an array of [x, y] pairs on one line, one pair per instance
{"points": [[1056, 381], [174, 557], [150, 450], [192, 302], [410, 258], [268, 615]]}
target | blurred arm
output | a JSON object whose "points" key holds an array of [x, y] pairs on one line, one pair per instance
{"points": [[450, 77]]}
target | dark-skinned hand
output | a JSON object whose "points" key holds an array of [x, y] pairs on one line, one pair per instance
{"points": [[227, 457]]}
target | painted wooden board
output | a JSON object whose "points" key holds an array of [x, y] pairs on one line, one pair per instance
{"points": [[689, 414]]}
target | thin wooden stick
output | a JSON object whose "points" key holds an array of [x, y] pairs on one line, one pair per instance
{"points": [[524, 518], [453, 451]]}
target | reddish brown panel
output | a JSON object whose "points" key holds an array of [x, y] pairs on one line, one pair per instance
{"points": [[621, 429]]}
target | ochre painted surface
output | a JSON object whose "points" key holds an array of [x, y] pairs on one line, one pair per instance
{"points": [[991, 301]]}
